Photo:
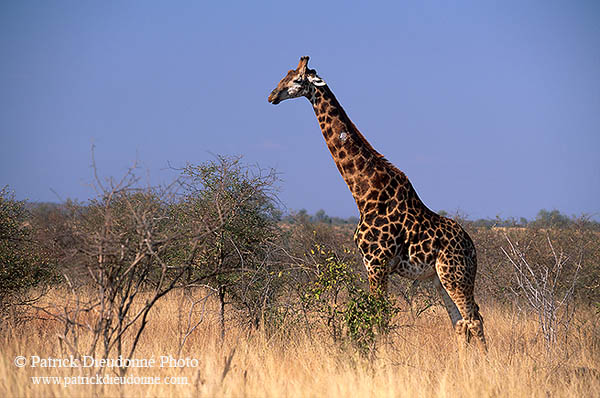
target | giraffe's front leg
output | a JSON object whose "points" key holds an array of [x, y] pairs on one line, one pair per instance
{"points": [[378, 277]]}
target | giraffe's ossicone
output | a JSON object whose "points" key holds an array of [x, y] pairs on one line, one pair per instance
{"points": [[397, 233]]}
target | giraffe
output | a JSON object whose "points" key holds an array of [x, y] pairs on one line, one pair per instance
{"points": [[396, 233]]}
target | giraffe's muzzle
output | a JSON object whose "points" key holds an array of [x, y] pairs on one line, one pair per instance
{"points": [[274, 98]]}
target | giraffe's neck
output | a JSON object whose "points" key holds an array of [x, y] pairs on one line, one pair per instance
{"points": [[364, 170]]}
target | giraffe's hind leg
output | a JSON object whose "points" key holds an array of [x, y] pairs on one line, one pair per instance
{"points": [[453, 311], [459, 297]]}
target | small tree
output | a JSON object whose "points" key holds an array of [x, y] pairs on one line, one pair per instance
{"points": [[544, 286], [123, 240], [236, 205]]}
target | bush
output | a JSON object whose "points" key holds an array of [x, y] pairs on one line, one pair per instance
{"points": [[338, 296], [368, 316], [23, 265]]}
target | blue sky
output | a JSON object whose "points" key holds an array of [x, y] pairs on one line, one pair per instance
{"points": [[490, 108]]}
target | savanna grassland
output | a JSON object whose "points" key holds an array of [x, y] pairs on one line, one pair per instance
{"points": [[419, 358], [204, 288]]}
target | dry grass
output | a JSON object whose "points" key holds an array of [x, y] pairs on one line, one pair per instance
{"points": [[420, 359]]}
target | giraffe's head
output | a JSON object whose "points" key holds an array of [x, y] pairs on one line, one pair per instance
{"points": [[297, 83]]}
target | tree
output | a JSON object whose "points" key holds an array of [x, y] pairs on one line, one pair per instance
{"points": [[235, 205], [551, 219], [543, 283], [122, 240], [321, 216]]}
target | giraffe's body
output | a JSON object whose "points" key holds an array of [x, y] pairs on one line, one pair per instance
{"points": [[397, 233]]}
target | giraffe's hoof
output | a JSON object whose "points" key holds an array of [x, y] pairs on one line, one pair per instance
{"points": [[461, 328], [476, 330]]}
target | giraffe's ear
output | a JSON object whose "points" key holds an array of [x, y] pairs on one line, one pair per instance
{"points": [[316, 80], [303, 64]]}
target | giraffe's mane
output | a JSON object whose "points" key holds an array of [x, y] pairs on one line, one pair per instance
{"points": [[366, 144], [370, 148]]}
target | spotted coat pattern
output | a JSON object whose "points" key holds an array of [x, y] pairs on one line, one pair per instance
{"points": [[397, 233]]}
